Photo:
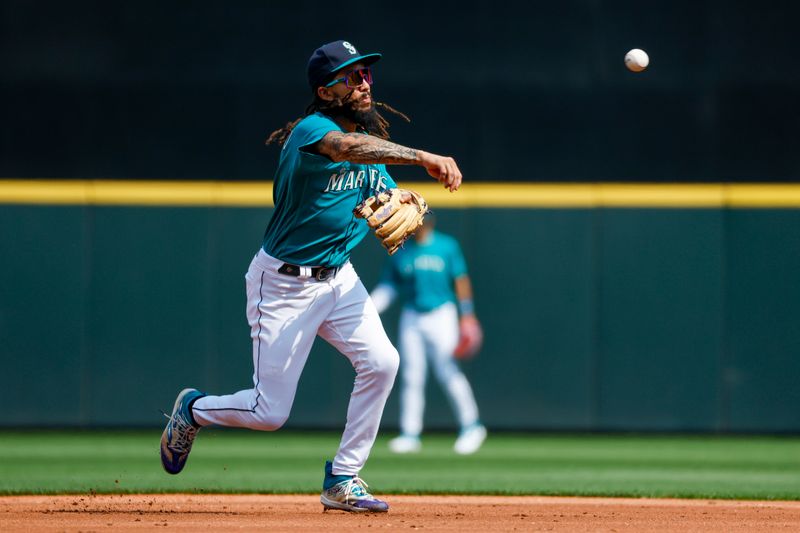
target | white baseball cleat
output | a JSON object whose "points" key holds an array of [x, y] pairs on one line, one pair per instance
{"points": [[470, 439], [405, 444]]}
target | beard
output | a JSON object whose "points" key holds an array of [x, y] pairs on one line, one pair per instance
{"points": [[368, 119]]}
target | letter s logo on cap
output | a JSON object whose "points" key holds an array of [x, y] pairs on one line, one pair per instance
{"points": [[350, 48]]}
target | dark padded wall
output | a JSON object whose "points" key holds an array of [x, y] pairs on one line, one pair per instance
{"points": [[514, 90]]}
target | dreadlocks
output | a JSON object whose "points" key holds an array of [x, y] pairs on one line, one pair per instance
{"points": [[370, 121]]}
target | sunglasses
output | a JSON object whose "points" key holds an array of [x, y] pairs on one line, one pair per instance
{"points": [[354, 78]]}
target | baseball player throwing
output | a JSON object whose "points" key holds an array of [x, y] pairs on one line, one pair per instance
{"points": [[301, 284], [424, 273]]}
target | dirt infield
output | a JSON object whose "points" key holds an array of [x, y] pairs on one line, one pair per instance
{"points": [[427, 513]]}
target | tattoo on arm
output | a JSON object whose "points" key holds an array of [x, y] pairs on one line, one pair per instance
{"points": [[359, 148]]}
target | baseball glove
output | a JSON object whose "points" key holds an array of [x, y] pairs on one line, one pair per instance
{"points": [[470, 337], [392, 219]]}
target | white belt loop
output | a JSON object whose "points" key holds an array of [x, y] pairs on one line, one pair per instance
{"points": [[305, 272]]}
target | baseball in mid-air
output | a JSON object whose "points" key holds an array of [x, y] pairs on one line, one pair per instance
{"points": [[637, 60]]}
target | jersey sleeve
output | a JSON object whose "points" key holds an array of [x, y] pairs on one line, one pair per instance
{"points": [[309, 131]]}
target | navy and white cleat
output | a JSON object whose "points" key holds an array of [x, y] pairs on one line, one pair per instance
{"points": [[178, 436], [349, 494]]}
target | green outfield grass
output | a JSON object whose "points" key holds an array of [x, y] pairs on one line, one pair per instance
{"points": [[49, 462]]}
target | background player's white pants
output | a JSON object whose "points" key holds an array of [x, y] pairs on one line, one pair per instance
{"points": [[434, 333], [285, 315]]}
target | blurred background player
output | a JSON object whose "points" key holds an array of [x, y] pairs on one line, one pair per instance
{"points": [[430, 275]]}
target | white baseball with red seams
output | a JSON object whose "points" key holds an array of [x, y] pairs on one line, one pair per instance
{"points": [[637, 60]]}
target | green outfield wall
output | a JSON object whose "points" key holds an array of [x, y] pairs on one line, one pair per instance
{"points": [[597, 317]]}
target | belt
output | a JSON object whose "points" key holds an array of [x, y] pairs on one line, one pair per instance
{"points": [[318, 273]]}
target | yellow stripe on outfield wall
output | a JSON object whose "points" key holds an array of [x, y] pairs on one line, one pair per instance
{"points": [[163, 193], [471, 194]]}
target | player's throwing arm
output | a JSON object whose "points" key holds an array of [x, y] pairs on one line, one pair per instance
{"points": [[367, 149]]}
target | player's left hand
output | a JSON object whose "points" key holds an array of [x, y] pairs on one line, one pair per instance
{"points": [[394, 215]]}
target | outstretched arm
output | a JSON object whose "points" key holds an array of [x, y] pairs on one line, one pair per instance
{"points": [[360, 148]]}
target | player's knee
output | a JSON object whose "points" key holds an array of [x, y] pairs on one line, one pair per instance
{"points": [[392, 364], [384, 364], [446, 370], [269, 421]]}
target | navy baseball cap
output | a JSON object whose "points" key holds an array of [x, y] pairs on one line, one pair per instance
{"points": [[331, 57]]}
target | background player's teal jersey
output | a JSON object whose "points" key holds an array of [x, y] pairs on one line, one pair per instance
{"points": [[423, 273], [313, 222]]}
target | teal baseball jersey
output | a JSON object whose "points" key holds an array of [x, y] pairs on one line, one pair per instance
{"points": [[423, 273], [313, 222]]}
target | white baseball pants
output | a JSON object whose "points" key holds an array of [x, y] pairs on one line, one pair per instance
{"points": [[286, 314], [434, 333]]}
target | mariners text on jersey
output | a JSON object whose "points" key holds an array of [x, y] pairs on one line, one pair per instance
{"points": [[313, 222], [337, 181], [433, 263]]}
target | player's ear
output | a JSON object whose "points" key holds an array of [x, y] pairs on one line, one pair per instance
{"points": [[326, 93]]}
